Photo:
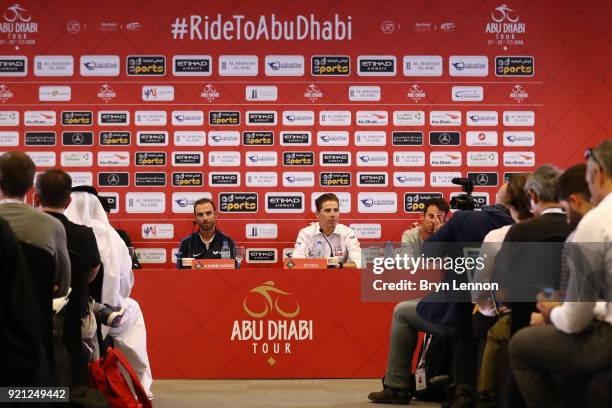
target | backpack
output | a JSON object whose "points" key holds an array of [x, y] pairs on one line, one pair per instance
{"points": [[106, 375]]}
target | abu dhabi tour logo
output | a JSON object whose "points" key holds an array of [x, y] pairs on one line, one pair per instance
{"points": [[18, 26], [209, 93], [5, 93], [505, 27], [106, 93], [518, 93], [416, 93], [313, 93], [274, 327]]}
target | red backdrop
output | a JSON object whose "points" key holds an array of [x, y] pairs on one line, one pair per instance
{"points": [[569, 94]]}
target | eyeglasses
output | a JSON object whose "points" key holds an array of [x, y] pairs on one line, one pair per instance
{"points": [[588, 154]]}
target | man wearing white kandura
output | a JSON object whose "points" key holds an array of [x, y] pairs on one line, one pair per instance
{"points": [[327, 238], [130, 336]]}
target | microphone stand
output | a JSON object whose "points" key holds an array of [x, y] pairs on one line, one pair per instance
{"points": [[191, 239]]}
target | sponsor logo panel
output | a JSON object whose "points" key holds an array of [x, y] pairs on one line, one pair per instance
{"points": [[409, 179], [298, 118], [100, 65], [372, 179], [223, 138], [444, 138], [445, 118], [409, 159], [335, 118], [187, 118], [334, 179], [223, 179], [115, 138], [481, 138], [9, 138], [219, 118], [414, 202], [157, 231], [295, 138], [376, 65], [372, 118], [298, 179], [40, 118], [519, 159], [440, 159], [43, 159], [189, 138], [332, 138], [422, 65], [284, 65], [9, 118], [443, 178], [150, 118], [77, 118], [467, 93], [364, 93], [151, 255], [77, 138], [39, 139], [261, 118], [150, 159], [158, 93], [367, 231], [144, 65], [261, 231], [191, 65], [113, 179], [378, 203], [113, 118], [183, 202], [54, 65], [335, 158], [258, 138], [519, 118], [238, 202], [187, 179], [489, 179], [481, 118], [76, 159], [261, 255], [407, 138], [261, 159], [261, 93], [111, 198], [13, 66], [516, 138], [108, 159], [261, 179], [470, 66], [152, 138], [514, 66], [223, 159], [298, 159], [370, 138], [150, 179], [54, 93], [408, 118], [372, 159], [330, 65], [482, 159], [238, 65], [191, 159], [278, 202]]}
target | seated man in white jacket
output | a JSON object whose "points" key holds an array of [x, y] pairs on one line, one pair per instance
{"points": [[327, 238], [130, 336]]}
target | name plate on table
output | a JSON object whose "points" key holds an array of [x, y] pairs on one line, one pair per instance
{"points": [[213, 264], [304, 263]]}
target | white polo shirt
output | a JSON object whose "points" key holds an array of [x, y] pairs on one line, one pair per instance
{"points": [[311, 243]]}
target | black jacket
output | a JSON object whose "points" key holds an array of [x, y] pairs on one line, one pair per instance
{"points": [[193, 247]]}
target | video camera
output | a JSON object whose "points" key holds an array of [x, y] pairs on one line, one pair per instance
{"points": [[465, 201]]}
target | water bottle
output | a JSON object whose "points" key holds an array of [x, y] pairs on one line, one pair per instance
{"points": [[319, 251], [179, 260], [225, 250], [388, 249]]}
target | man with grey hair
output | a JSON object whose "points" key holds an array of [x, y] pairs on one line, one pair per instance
{"points": [[529, 258], [578, 336]]}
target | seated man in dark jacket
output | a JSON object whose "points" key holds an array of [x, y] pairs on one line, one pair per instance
{"points": [[433, 317]]}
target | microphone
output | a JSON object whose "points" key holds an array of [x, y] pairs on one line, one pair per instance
{"points": [[460, 181], [191, 239], [331, 253]]}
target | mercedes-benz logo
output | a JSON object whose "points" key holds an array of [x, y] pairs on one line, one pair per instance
{"points": [[445, 138], [482, 179], [78, 138], [113, 179]]}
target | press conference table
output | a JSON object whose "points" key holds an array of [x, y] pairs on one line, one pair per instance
{"points": [[261, 323]]}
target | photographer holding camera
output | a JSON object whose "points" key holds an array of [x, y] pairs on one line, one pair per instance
{"points": [[443, 318]]}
